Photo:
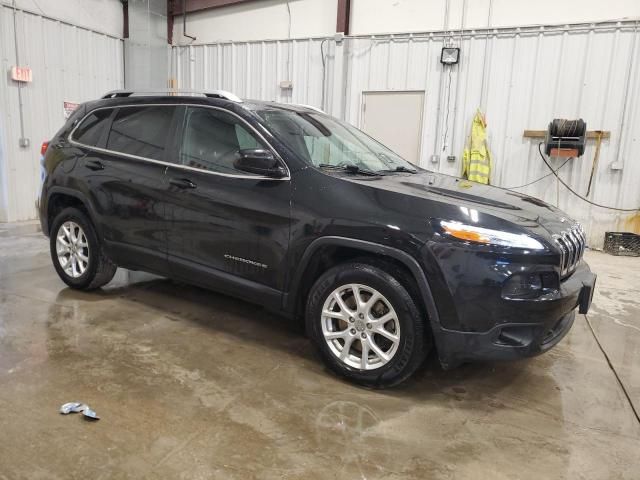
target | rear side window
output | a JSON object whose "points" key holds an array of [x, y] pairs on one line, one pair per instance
{"points": [[212, 140], [90, 130], [141, 131]]}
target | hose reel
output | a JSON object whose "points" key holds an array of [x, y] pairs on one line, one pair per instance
{"points": [[566, 138]]}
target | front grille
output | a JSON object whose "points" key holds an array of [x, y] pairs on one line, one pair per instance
{"points": [[572, 243]]}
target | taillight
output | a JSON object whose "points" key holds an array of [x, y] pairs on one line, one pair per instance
{"points": [[43, 148]]}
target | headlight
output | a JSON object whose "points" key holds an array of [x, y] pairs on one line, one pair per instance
{"points": [[486, 236]]}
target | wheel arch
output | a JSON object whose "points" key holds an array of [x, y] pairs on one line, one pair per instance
{"points": [[59, 198], [306, 272]]}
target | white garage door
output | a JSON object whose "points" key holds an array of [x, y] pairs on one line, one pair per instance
{"points": [[395, 119]]}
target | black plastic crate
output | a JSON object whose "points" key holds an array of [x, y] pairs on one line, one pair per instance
{"points": [[622, 243]]}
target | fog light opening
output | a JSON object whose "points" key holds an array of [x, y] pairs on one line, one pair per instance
{"points": [[515, 336], [523, 285]]}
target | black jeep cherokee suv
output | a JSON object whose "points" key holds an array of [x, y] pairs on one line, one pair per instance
{"points": [[289, 208]]}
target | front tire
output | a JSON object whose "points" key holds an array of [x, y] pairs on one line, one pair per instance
{"points": [[77, 255], [365, 325]]}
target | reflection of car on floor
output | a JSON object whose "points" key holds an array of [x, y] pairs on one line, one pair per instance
{"points": [[290, 208]]}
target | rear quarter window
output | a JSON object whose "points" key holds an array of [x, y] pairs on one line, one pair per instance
{"points": [[90, 130]]}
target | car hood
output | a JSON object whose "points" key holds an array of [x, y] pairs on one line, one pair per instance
{"points": [[498, 202]]}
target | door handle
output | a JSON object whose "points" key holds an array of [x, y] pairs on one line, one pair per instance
{"points": [[94, 165], [182, 183]]}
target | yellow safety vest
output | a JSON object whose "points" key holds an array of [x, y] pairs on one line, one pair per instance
{"points": [[476, 158]]}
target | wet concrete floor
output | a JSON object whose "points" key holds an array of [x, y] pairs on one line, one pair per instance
{"points": [[192, 384]]}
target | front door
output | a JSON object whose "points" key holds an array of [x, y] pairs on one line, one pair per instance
{"points": [[229, 227]]}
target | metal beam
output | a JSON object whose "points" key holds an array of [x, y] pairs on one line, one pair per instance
{"points": [[125, 19], [344, 14], [170, 14]]}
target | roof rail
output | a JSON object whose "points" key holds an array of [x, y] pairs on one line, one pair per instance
{"points": [[211, 94]]}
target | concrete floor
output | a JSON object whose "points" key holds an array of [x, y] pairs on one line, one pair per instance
{"points": [[191, 384]]}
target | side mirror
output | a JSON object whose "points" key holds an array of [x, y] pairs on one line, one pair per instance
{"points": [[260, 162]]}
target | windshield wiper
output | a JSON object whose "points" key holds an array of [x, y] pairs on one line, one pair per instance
{"points": [[354, 169], [400, 169]]}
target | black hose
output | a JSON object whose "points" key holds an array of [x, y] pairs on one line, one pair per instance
{"points": [[576, 193], [541, 178]]}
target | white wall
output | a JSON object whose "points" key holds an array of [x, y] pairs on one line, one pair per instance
{"points": [[268, 19], [259, 20], [101, 15], [68, 63], [390, 16]]}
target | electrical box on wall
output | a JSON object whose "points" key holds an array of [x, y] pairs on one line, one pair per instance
{"points": [[286, 85], [616, 166]]}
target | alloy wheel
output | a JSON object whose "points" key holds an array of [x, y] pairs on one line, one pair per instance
{"points": [[72, 249], [360, 326]]}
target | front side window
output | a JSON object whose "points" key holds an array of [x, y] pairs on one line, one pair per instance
{"points": [[92, 127], [324, 141], [141, 131], [213, 139]]}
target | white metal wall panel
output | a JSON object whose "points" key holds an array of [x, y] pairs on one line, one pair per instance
{"points": [[254, 70], [521, 77], [68, 63]]}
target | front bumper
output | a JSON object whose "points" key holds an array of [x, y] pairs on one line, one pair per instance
{"points": [[538, 327]]}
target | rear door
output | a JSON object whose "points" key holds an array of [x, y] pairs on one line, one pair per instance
{"points": [[128, 186], [230, 228]]}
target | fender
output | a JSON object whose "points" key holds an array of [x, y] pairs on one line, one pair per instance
{"points": [[403, 257], [71, 193]]}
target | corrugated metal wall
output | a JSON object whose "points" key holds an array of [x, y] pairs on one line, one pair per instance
{"points": [[521, 77], [69, 63]]}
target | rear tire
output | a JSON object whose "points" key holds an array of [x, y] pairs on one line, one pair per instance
{"points": [[76, 252], [357, 309]]}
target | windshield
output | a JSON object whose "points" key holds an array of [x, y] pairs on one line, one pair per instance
{"points": [[326, 142]]}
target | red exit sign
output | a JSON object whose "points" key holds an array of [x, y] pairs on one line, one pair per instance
{"points": [[21, 74]]}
